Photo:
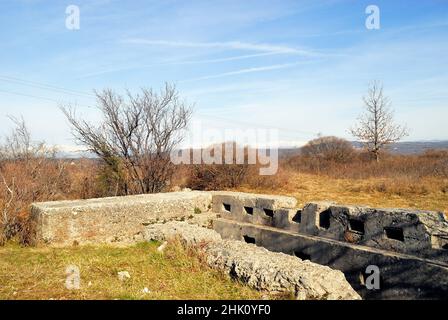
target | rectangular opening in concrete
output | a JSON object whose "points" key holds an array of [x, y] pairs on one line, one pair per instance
{"points": [[249, 239], [356, 225], [302, 255], [269, 212], [297, 217], [443, 242], [249, 210], [324, 219], [439, 242], [394, 233], [227, 207]]}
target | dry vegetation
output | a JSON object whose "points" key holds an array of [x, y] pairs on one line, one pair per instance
{"points": [[178, 273]]}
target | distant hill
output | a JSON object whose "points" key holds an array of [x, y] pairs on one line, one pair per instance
{"points": [[412, 147], [407, 147]]}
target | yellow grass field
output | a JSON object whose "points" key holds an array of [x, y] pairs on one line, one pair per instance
{"points": [[426, 194]]}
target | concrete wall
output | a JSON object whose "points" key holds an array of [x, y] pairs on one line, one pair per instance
{"points": [[115, 219], [416, 232]]}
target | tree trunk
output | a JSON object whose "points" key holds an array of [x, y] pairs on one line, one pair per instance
{"points": [[377, 156]]}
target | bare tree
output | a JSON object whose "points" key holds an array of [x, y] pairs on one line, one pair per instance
{"points": [[136, 136], [376, 128]]}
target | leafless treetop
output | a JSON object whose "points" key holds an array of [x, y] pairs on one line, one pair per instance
{"points": [[376, 127]]}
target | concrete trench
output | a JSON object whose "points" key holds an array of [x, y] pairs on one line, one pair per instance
{"points": [[409, 247]]}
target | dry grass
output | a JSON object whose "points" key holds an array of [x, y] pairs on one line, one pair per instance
{"points": [[406, 181], [39, 273], [426, 193]]}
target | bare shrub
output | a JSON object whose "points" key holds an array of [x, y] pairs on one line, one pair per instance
{"points": [[219, 176], [328, 149], [29, 172], [135, 138], [216, 177]]}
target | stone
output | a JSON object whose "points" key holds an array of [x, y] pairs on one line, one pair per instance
{"points": [[162, 247], [258, 267], [278, 272], [123, 275]]}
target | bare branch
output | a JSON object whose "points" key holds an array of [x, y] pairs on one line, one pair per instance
{"points": [[136, 136]]}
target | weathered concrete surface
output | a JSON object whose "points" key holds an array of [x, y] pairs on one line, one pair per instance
{"points": [[277, 272], [402, 276], [417, 232], [203, 219], [188, 234], [115, 219], [250, 207], [258, 267]]}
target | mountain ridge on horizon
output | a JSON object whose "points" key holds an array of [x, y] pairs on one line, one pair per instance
{"points": [[403, 147]]}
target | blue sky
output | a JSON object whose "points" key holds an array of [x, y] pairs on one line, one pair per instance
{"points": [[299, 66]]}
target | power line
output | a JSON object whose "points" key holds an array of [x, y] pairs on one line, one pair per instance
{"points": [[58, 89], [38, 97], [45, 86]]}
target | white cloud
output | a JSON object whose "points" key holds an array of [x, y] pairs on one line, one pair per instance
{"points": [[243, 71], [180, 62], [230, 45]]}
